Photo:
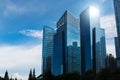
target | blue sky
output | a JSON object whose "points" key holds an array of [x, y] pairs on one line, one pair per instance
{"points": [[21, 23]]}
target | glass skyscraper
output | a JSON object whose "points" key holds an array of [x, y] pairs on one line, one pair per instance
{"points": [[117, 15], [117, 49], [117, 39], [88, 21], [66, 56], [99, 49], [47, 52]]}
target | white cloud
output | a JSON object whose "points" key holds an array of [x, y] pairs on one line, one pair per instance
{"points": [[32, 33], [109, 24], [11, 8], [20, 57], [19, 77]]}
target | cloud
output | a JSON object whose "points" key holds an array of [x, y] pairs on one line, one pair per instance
{"points": [[32, 33], [14, 8], [11, 8], [109, 24], [18, 76], [20, 59]]}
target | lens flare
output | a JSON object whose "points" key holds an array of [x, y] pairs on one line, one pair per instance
{"points": [[94, 11]]}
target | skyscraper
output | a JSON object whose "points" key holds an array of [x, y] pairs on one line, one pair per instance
{"points": [[89, 19], [74, 60], [117, 16], [117, 39], [111, 62], [99, 49], [117, 49], [48, 36], [66, 40]]}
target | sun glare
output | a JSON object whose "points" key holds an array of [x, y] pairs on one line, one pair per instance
{"points": [[94, 11]]}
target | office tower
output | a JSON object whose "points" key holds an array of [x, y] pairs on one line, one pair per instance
{"points": [[89, 19], [117, 39], [117, 16], [117, 49], [74, 60], [111, 62], [58, 64], [48, 36], [66, 41], [99, 49]]}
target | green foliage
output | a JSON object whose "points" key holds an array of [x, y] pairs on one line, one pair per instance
{"points": [[68, 76], [108, 74], [105, 74]]}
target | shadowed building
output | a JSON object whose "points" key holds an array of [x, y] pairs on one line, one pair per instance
{"points": [[117, 49], [47, 52], [117, 16], [111, 62], [117, 39], [99, 49]]}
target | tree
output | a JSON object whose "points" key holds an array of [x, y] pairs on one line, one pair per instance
{"points": [[6, 77]]}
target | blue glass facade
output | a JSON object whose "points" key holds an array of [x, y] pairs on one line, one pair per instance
{"points": [[47, 51], [117, 49], [70, 49], [58, 65], [117, 15], [117, 39], [99, 49], [87, 23]]}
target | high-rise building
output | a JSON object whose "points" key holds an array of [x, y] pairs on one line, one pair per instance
{"points": [[66, 56], [89, 19], [58, 64], [99, 49], [47, 53], [117, 49], [117, 39], [74, 60], [111, 62], [117, 16]]}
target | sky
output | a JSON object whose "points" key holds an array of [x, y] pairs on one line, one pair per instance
{"points": [[21, 23]]}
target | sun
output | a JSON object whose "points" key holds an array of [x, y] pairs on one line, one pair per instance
{"points": [[94, 11]]}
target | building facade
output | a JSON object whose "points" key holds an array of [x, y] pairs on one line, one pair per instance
{"points": [[88, 21], [99, 49], [111, 62], [66, 42], [47, 52], [117, 16], [117, 49], [117, 39]]}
